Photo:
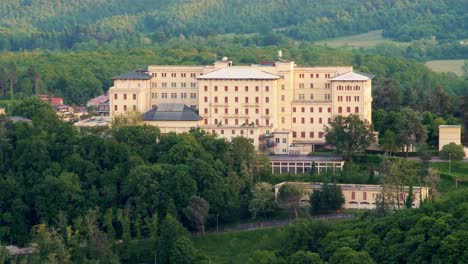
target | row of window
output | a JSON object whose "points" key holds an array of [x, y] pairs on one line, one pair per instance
{"points": [[174, 95], [348, 98], [236, 88], [311, 109], [303, 75], [233, 132], [174, 74], [327, 97], [311, 120], [348, 110], [236, 122], [174, 85], [124, 96], [348, 88], [236, 99], [236, 111], [303, 134], [311, 85], [125, 108]]}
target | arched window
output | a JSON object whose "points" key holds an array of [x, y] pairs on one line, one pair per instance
{"points": [[340, 110], [348, 109], [356, 110]]}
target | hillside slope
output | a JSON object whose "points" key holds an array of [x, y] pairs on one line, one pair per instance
{"points": [[57, 24]]}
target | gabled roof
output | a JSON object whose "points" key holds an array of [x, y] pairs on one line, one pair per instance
{"points": [[132, 76], [171, 112], [353, 76], [238, 73]]}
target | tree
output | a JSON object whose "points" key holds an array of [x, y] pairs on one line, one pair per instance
{"points": [[263, 200], [289, 196], [182, 252], [197, 212], [51, 247], [350, 256], [349, 135], [410, 129], [263, 257], [304, 257], [171, 231], [389, 142], [432, 180], [453, 152], [328, 197]]}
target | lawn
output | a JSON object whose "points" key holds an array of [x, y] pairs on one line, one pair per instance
{"points": [[369, 39], [454, 66], [238, 246], [447, 180]]}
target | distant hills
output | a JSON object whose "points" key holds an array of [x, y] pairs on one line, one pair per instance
{"points": [[62, 24]]}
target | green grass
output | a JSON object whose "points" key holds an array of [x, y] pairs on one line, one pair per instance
{"points": [[369, 39], [237, 247], [454, 66], [447, 180]]}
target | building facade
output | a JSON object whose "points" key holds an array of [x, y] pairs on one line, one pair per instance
{"points": [[363, 196], [283, 108]]}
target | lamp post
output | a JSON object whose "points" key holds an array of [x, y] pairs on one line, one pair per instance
{"points": [[450, 161]]}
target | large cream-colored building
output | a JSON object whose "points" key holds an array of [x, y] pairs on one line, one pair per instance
{"points": [[281, 106]]}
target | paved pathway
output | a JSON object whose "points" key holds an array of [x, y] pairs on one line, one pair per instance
{"points": [[274, 223]]}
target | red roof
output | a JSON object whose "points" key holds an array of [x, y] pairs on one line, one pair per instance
{"points": [[56, 101]]}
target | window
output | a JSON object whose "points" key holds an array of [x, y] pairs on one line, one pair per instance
{"points": [[282, 87], [348, 109], [154, 85], [257, 122], [246, 88], [233, 132], [284, 141], [283, 120], [183, 95], [320, 109], [364, 196], [317, 75], [302, 134], [340, 98], [294, 120], [329, 110], [173, 74], [173, 85], [267, 89], [311, 86], [356, 110], [216, 88], [226, 99], [257, 111], [134, 107], [328, 85], [222, 131], [193, 96], [236, 88], [216, 99], [216, 121], [320, 120], [115, 107], [164, 85], [236, 122], [216, 110], [226, 111], [311, 120], [294, 109], [294, 134], [311, 96], [154, 74], [320, 134], [192, 75], [327, 75], [301, 75], [256, 88], [134, 96], [206, 99], [356, 98], [327, 96], [236, 99], [267, 122], [125, 96], [256, 100], [311, 134], [267, 111], [115, 96], [174, 95], [125, 107], [206, 110], [267, 99], [246, 100], [164, 95], [311, 109], [282, 109], [303, 120], [226, 88], [340, 110], [154, 95], [226, 121], [183, 85], [329, 120], [205, 88], [282, 97], [301, 86], [193, 85], [206, 121], [301, 97], [353, 196], [163, 74], [303, 109], [236, 111], [246, 111]]}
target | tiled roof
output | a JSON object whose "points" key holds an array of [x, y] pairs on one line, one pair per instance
{"points": [[171, 112], [353, 76], [132, 76], [238, 73], [98, 100]]}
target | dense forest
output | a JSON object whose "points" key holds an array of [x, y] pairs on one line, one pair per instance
{"points": [[64, 24]]}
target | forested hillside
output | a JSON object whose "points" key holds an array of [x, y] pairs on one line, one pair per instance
{"points": [[61, 24]]}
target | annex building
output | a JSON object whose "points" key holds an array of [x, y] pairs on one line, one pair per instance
{"points": [[282, 107]]}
